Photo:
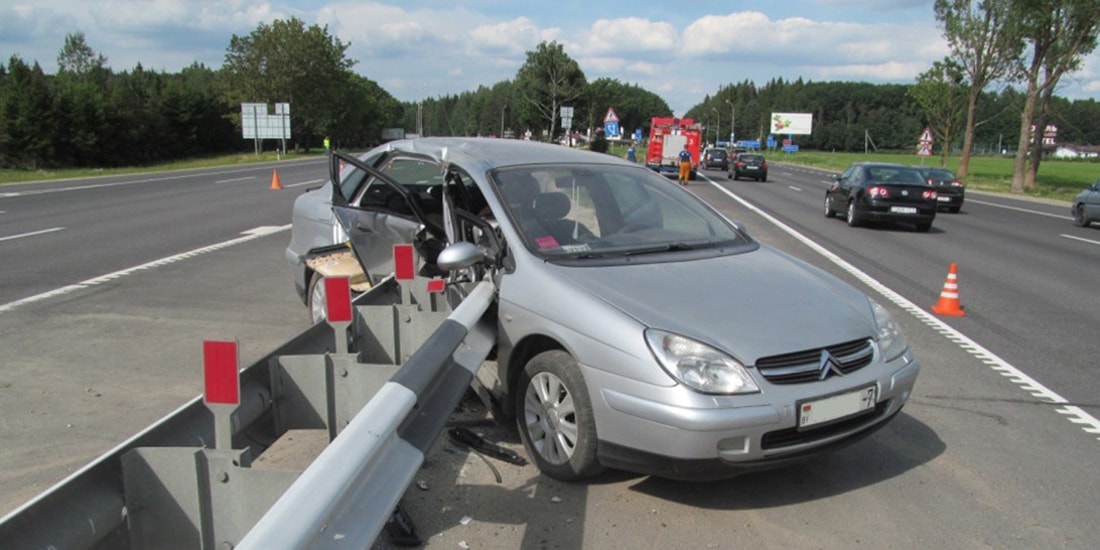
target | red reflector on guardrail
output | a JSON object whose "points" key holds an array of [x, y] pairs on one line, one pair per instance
{"points": [[404, 265], [220, 372], [338, 299], [436, 285]]}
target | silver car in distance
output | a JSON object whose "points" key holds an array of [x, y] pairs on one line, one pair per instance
{"points": [[638, 328]]}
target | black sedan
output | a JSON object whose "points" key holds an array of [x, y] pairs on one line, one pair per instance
{"points": [[1086, 206], [880, 192], [951, 190], [749, 165]]}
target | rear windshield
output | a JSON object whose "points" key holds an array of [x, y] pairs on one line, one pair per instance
{"points": [[891, 174], [751, 158]]}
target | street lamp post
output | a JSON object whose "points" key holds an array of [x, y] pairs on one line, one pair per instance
{"points": [[732, 120], [717, 124]]}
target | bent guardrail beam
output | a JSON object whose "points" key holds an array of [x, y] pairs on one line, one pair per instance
{"points": [[345, 496]]}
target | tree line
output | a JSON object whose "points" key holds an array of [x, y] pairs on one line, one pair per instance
{"points": [[86, 115]]}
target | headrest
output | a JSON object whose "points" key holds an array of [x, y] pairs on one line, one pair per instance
{"points": [[520, 190], [551, 206]]}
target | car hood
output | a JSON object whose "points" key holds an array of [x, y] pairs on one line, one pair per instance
{"points": [[751, 305]]}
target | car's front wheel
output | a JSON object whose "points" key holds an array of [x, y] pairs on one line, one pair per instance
{"points": [[1079, 218], [315, 298], [555, 417], [829, 212]]}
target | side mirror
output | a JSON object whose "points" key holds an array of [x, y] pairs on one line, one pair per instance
{"points": [[460, 255]]}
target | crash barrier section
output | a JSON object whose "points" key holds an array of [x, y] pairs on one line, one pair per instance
{"points": [[347, 494], [400, 366]]}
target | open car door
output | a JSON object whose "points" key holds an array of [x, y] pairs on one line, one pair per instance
{"points": [[377, 212]]}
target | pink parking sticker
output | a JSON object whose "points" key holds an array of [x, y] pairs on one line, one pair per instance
{"points": [[547, 242]]}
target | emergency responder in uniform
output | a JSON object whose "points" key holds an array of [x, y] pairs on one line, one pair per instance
{"points": [[685, 165]]}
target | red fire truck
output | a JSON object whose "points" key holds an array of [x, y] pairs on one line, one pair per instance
{"points": [[667, 137]]}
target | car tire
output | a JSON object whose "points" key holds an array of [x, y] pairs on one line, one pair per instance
{"points": [[555, 419], [924, 227], [829, 212], [763, 179], [852, 216], [1079, 218], [315, 298]]}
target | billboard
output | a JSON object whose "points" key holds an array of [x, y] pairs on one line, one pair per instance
{"points": [[792, 123], [257, 123]]}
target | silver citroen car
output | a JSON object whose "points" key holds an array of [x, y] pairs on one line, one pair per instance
{"points": [[639, 328]]}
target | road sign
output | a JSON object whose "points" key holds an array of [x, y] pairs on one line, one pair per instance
{"points": [[926, 136], [924, 149], [610, 116]]}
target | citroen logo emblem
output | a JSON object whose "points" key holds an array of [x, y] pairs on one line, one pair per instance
{"points": [[827, 365]]}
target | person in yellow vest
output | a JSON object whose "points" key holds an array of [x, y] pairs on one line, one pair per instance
{"points": [[685, 165], [327, 143]]}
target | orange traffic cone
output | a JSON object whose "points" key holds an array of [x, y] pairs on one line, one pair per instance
{"points": [[949, 296], [275, 184]]}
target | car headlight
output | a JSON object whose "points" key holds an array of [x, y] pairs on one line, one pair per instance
{"points": [[699, 366], [891, 341]]}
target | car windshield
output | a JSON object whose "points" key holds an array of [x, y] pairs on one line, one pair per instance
{"points": [[751, 158], [591, 211]]}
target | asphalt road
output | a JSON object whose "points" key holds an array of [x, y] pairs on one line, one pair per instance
{"points": [[981, 457]]}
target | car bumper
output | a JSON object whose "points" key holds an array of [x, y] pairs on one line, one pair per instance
{"points": [[883, 213], [678, 439], [949, 201]]}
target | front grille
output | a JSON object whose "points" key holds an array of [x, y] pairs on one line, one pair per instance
{"points": [[805, 366]]}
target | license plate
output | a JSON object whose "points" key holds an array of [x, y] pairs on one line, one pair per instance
{"points": [[752, 168], [943, 199], [903, 209], [838, 406]]}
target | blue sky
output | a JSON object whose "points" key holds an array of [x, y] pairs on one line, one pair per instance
{"points": [[681, 50]]}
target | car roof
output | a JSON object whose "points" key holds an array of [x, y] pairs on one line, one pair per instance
{"points": [[492, 153]]}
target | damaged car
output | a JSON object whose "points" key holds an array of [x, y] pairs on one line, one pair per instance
{"points": [[638, 328]]}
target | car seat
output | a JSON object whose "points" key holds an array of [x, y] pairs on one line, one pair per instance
{"points": [[550, 210]]}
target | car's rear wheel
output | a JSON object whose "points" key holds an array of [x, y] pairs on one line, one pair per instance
{"points": [[924, 227], [852, 216], [829, 212], [315, 298], [554, 417], [1079, 218]]}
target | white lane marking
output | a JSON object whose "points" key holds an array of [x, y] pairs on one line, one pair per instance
{"points": [[31, 234], [118, 183], [251, 234], [793, 188], [235, 180], [1090, 241], [1073, 413], [1019, 209]]}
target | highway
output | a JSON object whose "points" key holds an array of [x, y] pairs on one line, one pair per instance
{"points": [[108, 286]]}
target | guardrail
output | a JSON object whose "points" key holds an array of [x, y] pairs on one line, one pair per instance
{"points": [[381, 406], [346, 495]]}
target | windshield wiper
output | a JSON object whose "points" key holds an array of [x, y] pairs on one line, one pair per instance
{"points": [[671, 247]]}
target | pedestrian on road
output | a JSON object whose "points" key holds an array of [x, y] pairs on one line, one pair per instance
{"points": [[685, 165], [631, 153]]}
